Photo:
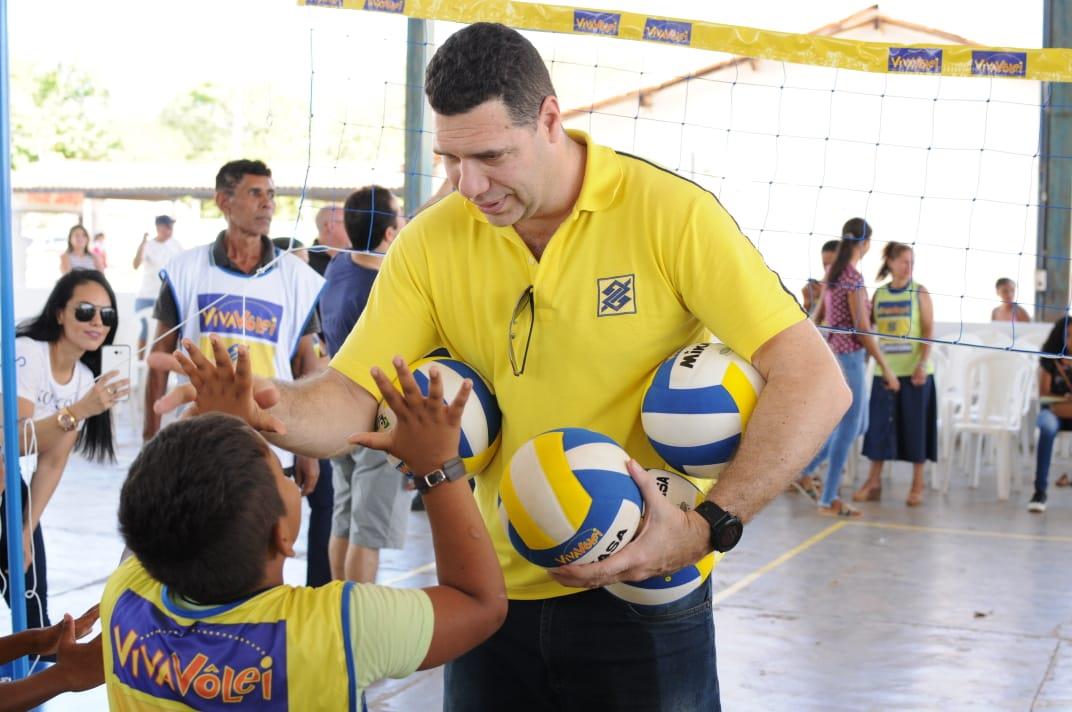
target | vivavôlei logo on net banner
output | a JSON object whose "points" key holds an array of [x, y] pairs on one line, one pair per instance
{"points": [[915, 59], [988, 63], [396, 6], [596, 23], [668, 31]]}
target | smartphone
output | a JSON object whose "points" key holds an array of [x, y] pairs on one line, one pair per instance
{"points": [[116, 358]]}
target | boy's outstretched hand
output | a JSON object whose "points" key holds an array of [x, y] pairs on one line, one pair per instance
{"points": [[223, 387], [427, 430], [82, 664], [82, 625]]}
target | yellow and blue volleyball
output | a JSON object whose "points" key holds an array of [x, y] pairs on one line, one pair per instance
{"points": [[481, 419], [697, 406], [660, 590], [567, 498]]}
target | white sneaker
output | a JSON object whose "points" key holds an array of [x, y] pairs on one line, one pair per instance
{"points": [[1037, 503]]}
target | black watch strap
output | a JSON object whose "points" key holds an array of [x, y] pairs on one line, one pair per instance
{"points": [[726, 529], [453, 469]]}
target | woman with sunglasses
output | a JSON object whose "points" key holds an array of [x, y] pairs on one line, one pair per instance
{"points": [[61, 390]]}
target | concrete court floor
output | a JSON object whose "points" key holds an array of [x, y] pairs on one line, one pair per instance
{"points": [[962, 604]]}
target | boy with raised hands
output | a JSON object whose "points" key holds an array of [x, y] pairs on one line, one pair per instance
{"points": [[200, 616]]}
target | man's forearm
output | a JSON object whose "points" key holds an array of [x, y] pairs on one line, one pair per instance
{"points": [[320, 413], [802, 401]]}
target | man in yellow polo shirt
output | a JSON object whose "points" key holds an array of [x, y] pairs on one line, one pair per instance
{"points": [[565, 272]]}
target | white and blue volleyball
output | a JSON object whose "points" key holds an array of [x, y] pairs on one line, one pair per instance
{"points": [[697, 406], [566, 498], [660, 590], [481, 419]]}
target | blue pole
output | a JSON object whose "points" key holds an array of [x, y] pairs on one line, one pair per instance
{"points": [[13, 488]]}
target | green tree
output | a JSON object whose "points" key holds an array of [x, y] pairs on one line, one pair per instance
{"points": [[202, 117], [67, 117]]}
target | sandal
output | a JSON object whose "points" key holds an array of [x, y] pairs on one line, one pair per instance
{"points": [[867, 494], [838, 508], [806, 486], [915, 498], [1063, 480]]}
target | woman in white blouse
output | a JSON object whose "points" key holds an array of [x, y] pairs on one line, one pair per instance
{"points": [[61, 390]]}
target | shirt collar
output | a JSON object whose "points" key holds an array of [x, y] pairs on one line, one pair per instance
{"points": [[602, 178], [220, 258]]}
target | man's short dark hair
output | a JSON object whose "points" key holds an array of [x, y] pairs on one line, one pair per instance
{"points": [[231, 174], [486, 61], [1002, 281], [831, 246], [367, 214], [198, 507]]}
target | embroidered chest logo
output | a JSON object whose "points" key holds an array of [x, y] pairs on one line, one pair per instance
{"points": [[616, 295]]}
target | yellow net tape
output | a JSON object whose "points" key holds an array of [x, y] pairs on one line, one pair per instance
{"points": [[1053, 65]]}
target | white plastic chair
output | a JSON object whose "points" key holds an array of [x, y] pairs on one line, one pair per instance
{"points": [[951, 362], [993, 406]]}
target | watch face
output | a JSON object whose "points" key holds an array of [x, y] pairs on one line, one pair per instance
{"points": [[729, 534]]}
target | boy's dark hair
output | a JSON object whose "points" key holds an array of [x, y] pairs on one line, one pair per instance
{"points": [[831, 246], [367, 214], [198, 506], [231, 174], [1002, 281], [486, 61]]}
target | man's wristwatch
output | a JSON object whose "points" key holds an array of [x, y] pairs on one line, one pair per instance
{"points": [[726, 529], [66, 420], [453, 469]]}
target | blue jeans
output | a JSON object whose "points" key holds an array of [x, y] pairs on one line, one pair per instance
{"points": [[1049, 425], [591, 651], [35, 580], [839, 445], [139, 304]]}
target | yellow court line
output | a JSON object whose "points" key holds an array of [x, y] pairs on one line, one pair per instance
{"points": [[751, 578], [1048, 64], [966, 532]]}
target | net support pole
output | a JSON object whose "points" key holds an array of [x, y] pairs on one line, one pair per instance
{"points": [[13, 508], [1055, 175], [418, 170]]}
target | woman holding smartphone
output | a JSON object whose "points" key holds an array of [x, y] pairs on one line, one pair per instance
{"points": [[78, 254], [61, 390]]}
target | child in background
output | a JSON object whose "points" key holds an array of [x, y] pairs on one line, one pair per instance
{"points": [[200, 614], [1009, 309], [813, 290]]}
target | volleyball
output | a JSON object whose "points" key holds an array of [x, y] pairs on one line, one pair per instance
{"points": [[697, 406], [567, 498], [481, 419], [659, 590]]}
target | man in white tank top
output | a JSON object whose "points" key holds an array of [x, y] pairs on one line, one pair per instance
{"points": [[237, 289]]}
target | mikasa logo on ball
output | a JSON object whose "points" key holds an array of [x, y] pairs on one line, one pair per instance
{"points": [[616, 295]]}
